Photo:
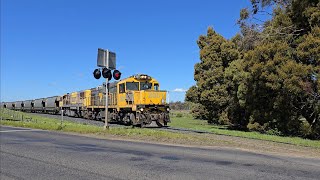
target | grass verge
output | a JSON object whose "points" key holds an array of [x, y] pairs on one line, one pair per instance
{"points": [[20, 119], [185, 120]]}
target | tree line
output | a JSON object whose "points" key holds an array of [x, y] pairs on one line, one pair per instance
{"points": [[267, 77], [180, 106]]}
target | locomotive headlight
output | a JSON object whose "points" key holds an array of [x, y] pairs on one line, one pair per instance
{"points": [[168, 109], [141, 109]]}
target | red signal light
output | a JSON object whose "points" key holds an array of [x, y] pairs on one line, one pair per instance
{"points": [[116, 74]]}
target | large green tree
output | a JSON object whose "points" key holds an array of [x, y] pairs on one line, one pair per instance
{"points": [[267, 77], [284, 68], [211, 91]]}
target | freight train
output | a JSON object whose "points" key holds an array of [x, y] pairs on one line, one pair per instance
{"points": [[136, 100]]}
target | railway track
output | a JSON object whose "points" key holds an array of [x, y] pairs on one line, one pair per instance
{"points": [[78, 120], [183, 130], [101, 123]]}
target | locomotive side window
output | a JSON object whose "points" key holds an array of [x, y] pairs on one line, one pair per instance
{"points": [[133, 86], [145, 85], [156, 87], [121, 88]]}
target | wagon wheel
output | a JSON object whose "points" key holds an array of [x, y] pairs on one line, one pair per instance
{"points": [[99, 117], [85, 115], [90, 115], [132, 118]]}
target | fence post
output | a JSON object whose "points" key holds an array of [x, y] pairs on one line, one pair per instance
{"points": [[61, 117]]}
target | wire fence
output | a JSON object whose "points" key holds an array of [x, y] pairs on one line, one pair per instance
{"points": [[17, 116], [10, 115]]}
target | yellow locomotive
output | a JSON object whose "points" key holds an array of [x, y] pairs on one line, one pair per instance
{"points": [[135, 100]]}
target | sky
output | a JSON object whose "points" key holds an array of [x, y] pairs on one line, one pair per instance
{"points": [[50, 47]]}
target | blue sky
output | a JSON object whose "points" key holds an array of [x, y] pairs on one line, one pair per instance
{"points": [[50, 47]]}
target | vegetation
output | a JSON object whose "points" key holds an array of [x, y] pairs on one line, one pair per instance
{"points": [[180, 105], [14, 118], [188, 122], [266, 78], [180, 119]]}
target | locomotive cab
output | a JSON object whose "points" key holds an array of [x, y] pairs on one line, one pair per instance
{"points": [[140, 101]]}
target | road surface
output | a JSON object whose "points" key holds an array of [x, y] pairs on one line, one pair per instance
{"points": [[37, 154]]}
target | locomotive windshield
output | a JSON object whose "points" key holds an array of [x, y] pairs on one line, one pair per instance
{"points": [[132, 86], [145, 85]]}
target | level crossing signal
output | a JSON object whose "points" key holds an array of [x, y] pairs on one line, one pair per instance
{"points": [[116, 74], [97, 73], [106, 73]]}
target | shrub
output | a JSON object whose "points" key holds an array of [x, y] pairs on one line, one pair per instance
{"points": [[179, 115], [255, 127], [275, 132], [223, 119]]}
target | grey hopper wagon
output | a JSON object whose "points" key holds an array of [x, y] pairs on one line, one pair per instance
{"points": [[28, 105], [19, 105], [11, 105], [3, 105], [39, 105], [52, 104]]}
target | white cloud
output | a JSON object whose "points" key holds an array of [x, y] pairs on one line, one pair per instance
{"points": [[179, 90]]}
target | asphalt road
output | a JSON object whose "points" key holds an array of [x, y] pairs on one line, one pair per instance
{"points": [[36, 154]]}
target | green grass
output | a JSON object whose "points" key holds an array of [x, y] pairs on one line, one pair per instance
{"points": [[186, 121], [13, 118], [33, 121]]}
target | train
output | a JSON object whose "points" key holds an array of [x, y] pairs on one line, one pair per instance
{"points": [[136, 100]]}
